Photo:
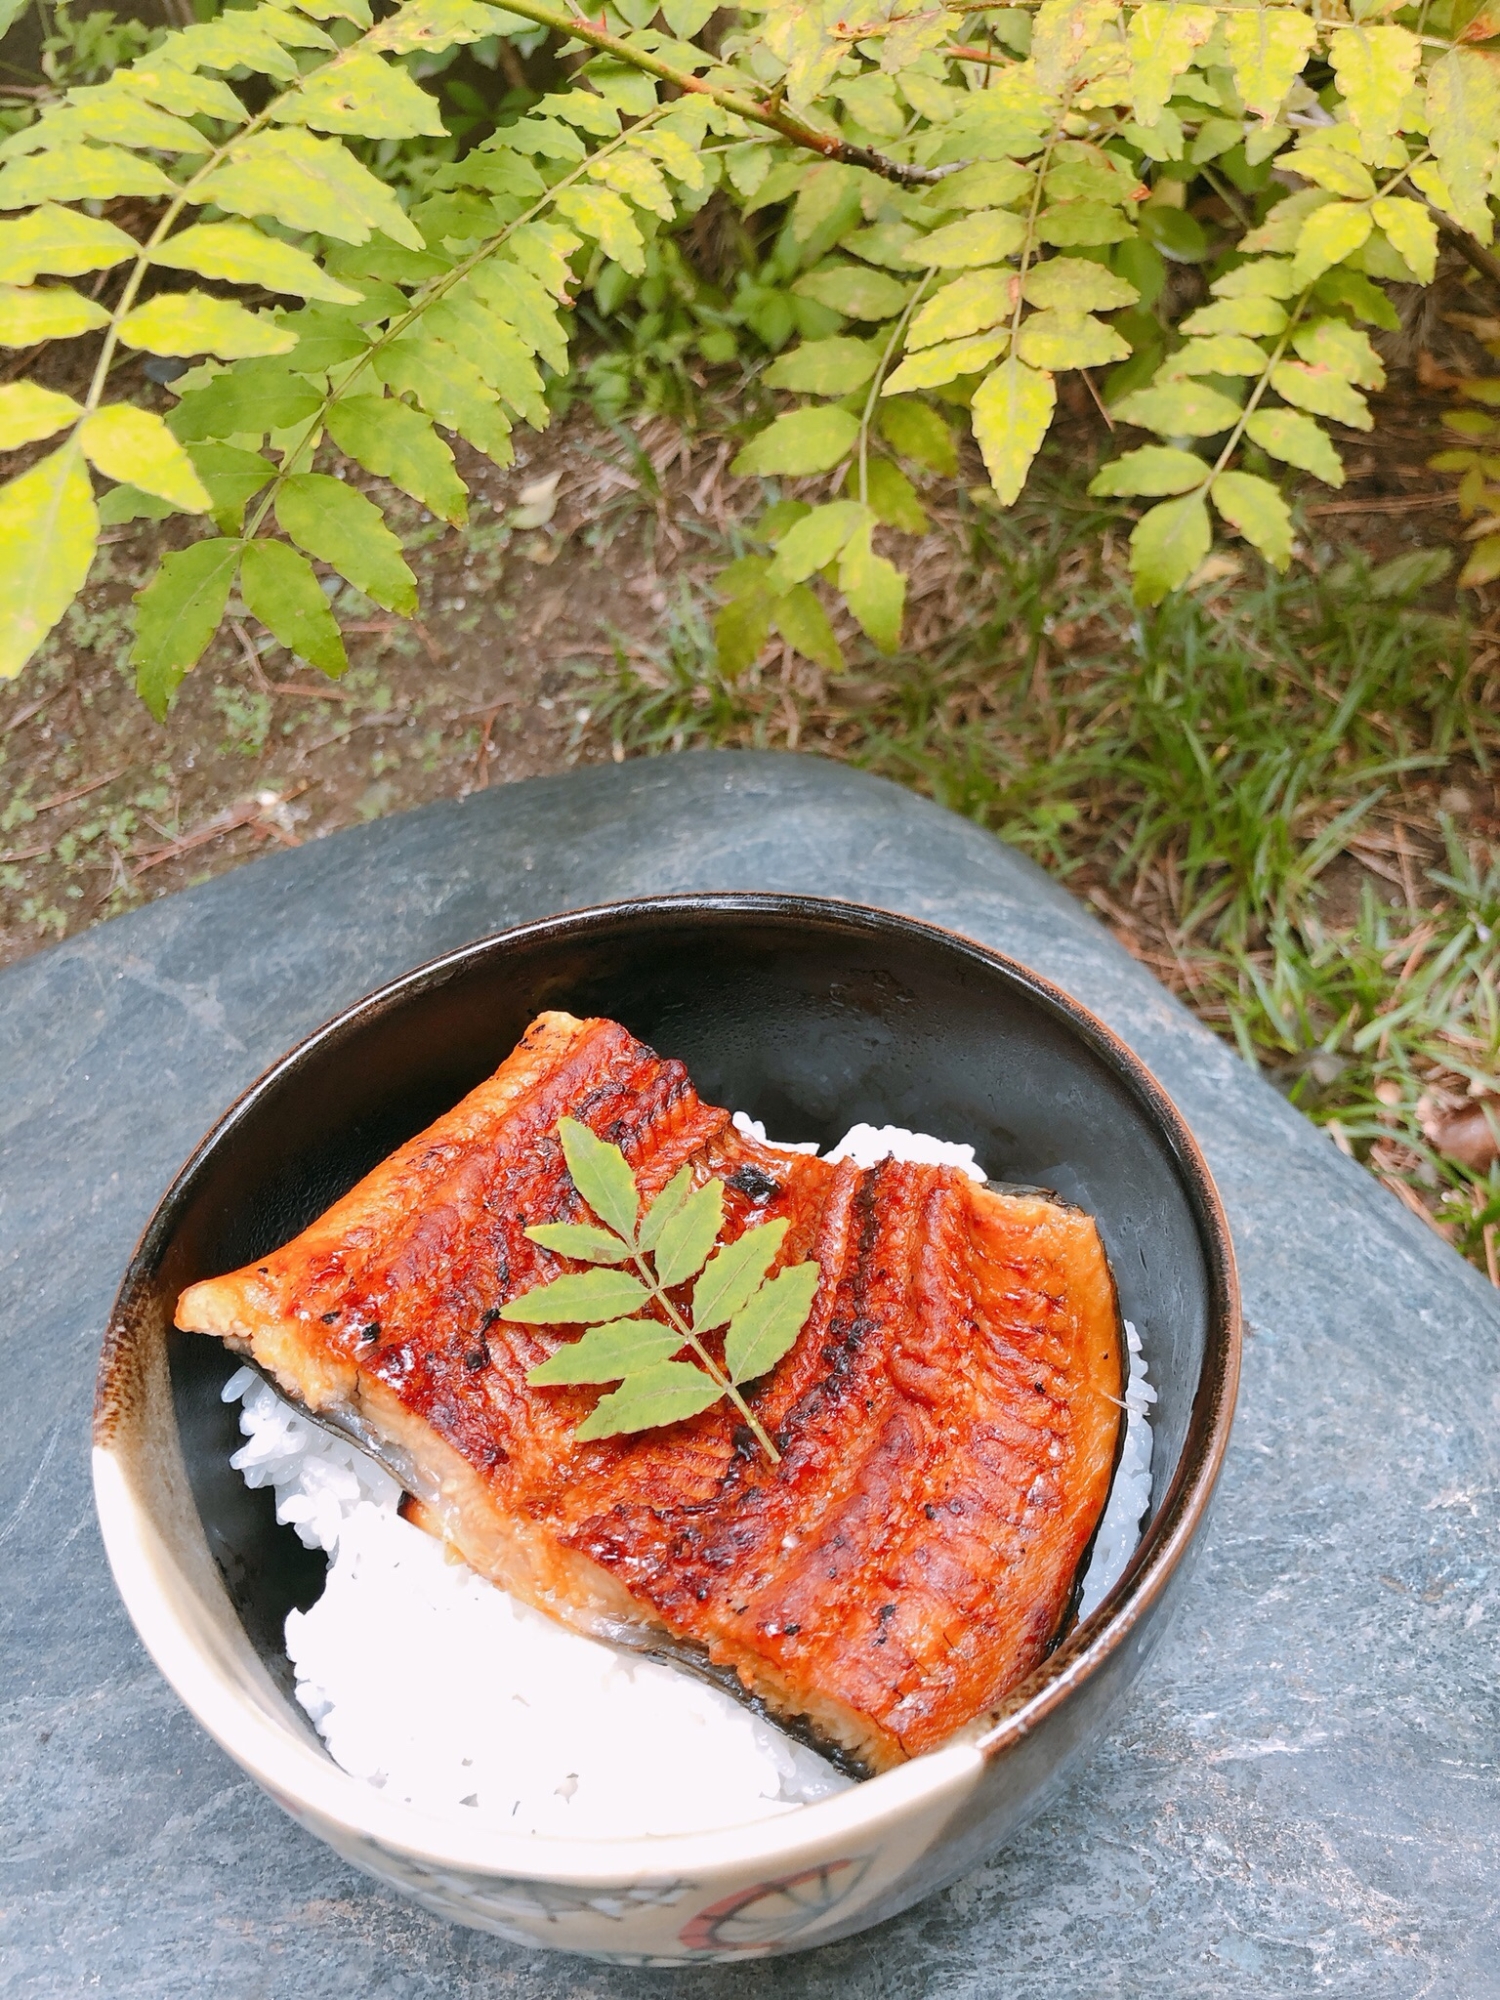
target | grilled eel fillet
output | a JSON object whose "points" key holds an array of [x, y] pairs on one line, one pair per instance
{"points": [[948, 1418]]}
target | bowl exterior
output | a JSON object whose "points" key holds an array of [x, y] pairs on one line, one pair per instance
{"points": [[801, 1879]]}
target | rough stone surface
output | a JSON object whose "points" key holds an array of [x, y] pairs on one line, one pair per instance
{"points": [[1301, 1796]]}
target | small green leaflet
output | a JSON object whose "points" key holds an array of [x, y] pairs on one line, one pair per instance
{"points": [[61, 241], [280, 589], [390, 438], [609, 1353], [177, 614], [193, 323], [1296, 439], [1153, 470], [330, 520], [246, 401], [48, 530], [834, 367], [28, 412], [235, 251], [734, 1273], [583, 1241], [50, 312], [579, 1298], [1167, 546], [665, 1206], [666, 1393], [801, 442], [1012, 411], [689, 1234], [602, 1176], [637, 1330], [135, 447], [763, 1329], [1255, 507]]}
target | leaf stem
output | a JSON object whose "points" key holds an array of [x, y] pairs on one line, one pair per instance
{"points": [[898, 333], [758, 111], [711, 1367]]}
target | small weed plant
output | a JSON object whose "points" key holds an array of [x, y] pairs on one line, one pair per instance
{"points": [[965, 204]]}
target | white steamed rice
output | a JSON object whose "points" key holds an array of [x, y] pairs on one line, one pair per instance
{"points": [[453, 1696]]}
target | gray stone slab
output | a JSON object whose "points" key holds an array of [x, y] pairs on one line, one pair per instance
{"points": [[1301, 1796]]}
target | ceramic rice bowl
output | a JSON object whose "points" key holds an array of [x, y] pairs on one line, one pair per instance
{"points": [[812, 1016]]}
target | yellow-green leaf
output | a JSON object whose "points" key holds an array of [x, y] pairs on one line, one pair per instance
{"points": [[602, 214], [1219, 354], [1065, 38], [242, 255], [47, 312], [1483, 565], [434, 25], [1262, 278], [135, 447], [584, 1241], [585, 1298], [874, 590], [307, 183], [734, 1273], [177, 614], [366, 97], [688, 1234], [1267, 47], [1180, 409], [1167, 545], [803, 623], [918, 432], [767, 1325], [280, 589], [1328, 236], [1077, 284], [1255, 507], [990, 184], [231, 475], [1331, 167], [1333, 343], [934, 366], [1323, 392], [609, 1353], [331, 521], [389, 438], [797, 32], [814, 541], [79, 172], [544, 250], [1375, 66], [111, 116], [801, 442], [1412, 230], [970, 304], [1463, 111], [834, 367], [59, 240], [1056, 339], [256, 397], [29, 412], [740, 631], [515, 297], [1247, 317], [977, 239], [854, 291], [1160, 44], [193, 323], [48, 531], [1154, 470], [891, 496], [638, 179], [1011, 411], [667, 1392], [1282, 227], [1296, 440], [461, 393], [1081, 225]]}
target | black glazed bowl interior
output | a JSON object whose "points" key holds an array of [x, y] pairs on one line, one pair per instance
{"points": [[811, 1016]]}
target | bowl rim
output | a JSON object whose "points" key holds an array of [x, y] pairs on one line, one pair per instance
{"points": [[303, 1778]]}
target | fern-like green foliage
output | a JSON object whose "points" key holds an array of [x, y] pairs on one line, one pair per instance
{"points": [[973, 203]]}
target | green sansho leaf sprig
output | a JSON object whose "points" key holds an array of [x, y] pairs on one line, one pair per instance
{"points": [[672, 1243]]}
